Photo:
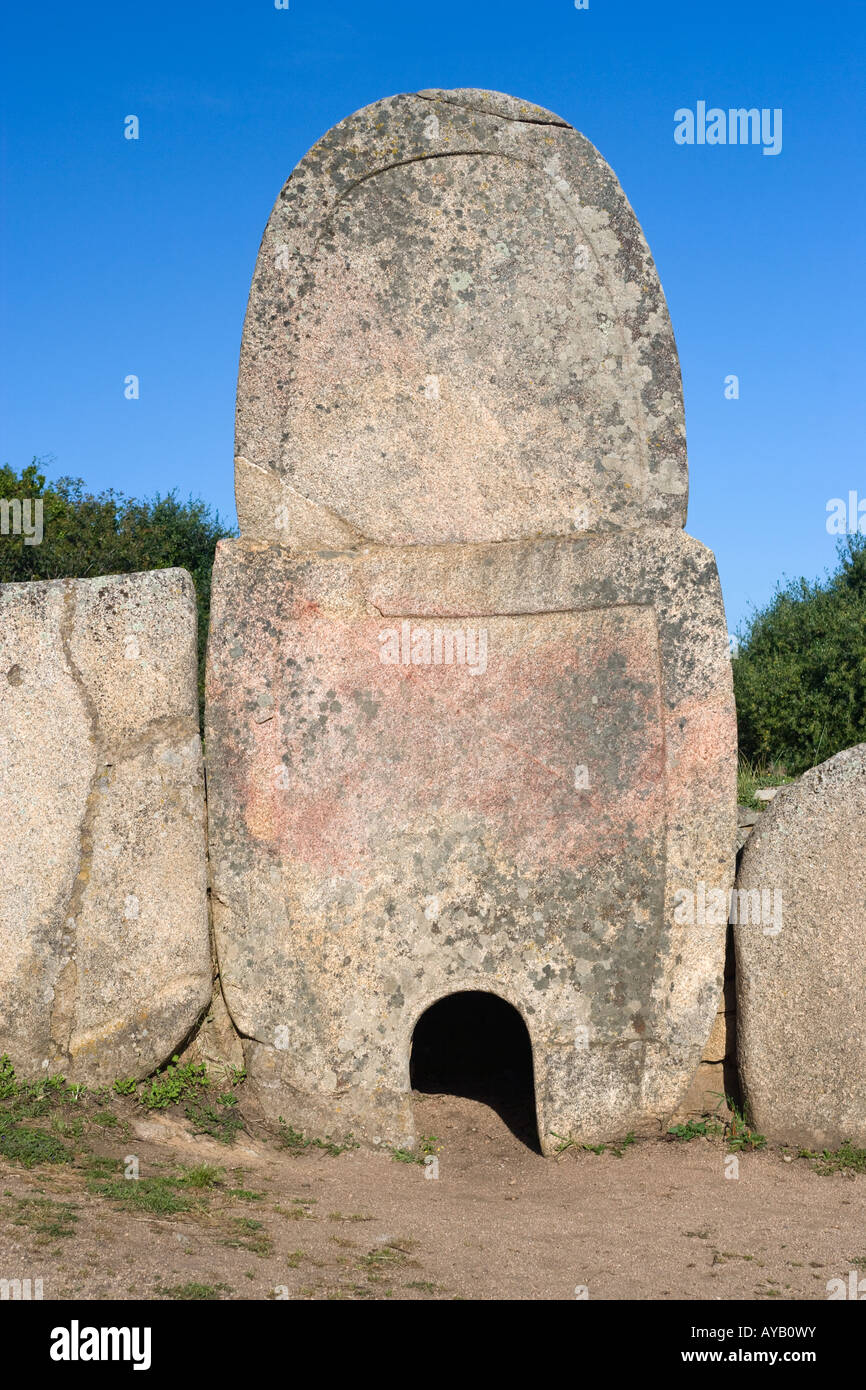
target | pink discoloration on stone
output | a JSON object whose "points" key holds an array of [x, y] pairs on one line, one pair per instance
{"points": [[699, 735], [500, 746]]}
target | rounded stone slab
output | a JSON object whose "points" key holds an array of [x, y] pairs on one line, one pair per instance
{"points": [[801, 966], [456, 332]]}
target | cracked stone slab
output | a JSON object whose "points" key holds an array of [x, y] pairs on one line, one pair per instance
{"points": [[386, 829], [104, 946], [455, 333], [801, 973]]}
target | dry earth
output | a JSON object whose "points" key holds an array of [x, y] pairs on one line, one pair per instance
{"points": [[659, 1222]]}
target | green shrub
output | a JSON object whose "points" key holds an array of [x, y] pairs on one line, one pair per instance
{"points": [[187, 1084], [178, 1082], [800, 676], [87, 534]]}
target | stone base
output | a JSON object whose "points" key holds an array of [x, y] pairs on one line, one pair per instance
{"points": [[388, 828]]}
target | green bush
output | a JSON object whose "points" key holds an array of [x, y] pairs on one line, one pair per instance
{"points": [[800, 676], [88, 534]]}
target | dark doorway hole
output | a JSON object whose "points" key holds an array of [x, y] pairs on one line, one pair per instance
{"points": [[476, 1045]]}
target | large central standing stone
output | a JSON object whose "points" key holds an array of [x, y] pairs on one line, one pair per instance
{"points": [[470, 720]]}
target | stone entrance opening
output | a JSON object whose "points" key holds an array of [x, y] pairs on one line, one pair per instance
{"points": [[476, 1045]]}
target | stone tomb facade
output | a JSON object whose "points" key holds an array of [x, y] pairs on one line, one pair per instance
{"points": [[470, 722]]}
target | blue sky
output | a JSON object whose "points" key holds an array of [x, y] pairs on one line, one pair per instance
{"points": [[135, 256]]}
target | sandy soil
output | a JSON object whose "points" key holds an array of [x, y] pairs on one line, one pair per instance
{"points": [[499, 1222]]}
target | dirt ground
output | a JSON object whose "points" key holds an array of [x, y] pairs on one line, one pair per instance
{"points": [[662, 1221]]}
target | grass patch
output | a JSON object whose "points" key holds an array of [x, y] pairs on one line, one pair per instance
{"points": [[37, 1116], [845, 1159], [69, 1110], [250, 1235], [218, 1119], [736, 1131], [157, 1196], [177, 1083], [28, 1146], [67, 1129], [45, 1217], [161, 1196], [202, 1176], [188, 1084], [299, 1210], [98, 1167], [752, 777], [394, 1254], [696, 1129], [296, 1142], [619, 1149], [31, 1100], [428, 1146], [8, 1084]]}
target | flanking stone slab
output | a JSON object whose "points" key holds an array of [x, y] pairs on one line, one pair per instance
{"points": [[455, 333], [104, 950], [388, 826], [801, 980]]}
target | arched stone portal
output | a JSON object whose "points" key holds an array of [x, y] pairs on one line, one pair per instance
{"points": [[475, 1044]]}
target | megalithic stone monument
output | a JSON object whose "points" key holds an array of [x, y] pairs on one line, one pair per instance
{"points": [[470, 721]]}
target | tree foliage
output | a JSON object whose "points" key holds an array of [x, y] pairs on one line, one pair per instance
{"points": [[800, 676], [88, 534]]}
